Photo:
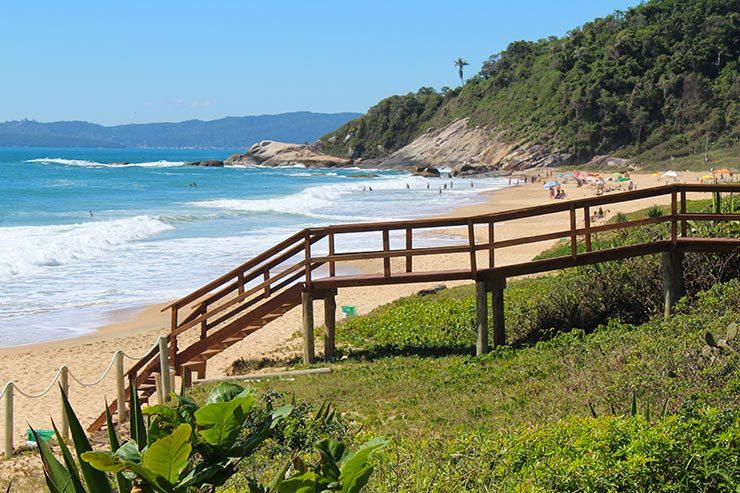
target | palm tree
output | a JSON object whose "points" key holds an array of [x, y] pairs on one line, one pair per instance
{"points": [[460, 63]]}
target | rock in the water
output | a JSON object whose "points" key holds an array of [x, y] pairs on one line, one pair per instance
{"points": [[211, 163], [434, 290], [426, 171], [270, 153]]}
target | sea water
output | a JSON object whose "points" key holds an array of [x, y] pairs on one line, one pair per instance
{"points": [[86, 233]]}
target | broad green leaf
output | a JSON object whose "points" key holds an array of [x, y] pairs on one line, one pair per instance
{"points": [[219, 423], [129, 452], [104, 461], [280, 413], [227, 391], [161, 410], [168, 457], [95, 480], [331, 452], [308, 482], [355, 467], [57, 477]]}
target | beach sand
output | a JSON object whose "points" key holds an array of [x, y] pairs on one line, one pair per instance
{"points": [[32, 367]]}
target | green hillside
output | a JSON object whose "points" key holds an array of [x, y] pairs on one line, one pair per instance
{"points": [[655, 81]]}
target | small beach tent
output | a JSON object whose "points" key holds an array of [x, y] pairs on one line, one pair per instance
{"points": [[551, 184], [707, 177], [669, 175], [623, 178], [724, 171]]}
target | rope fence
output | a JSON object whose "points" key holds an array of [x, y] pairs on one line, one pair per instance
{"points": [[62, 377]]}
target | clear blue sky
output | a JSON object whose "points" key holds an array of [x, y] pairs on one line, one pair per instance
{"points": [[164, 60]]}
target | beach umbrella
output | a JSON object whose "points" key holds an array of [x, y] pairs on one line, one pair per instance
{"points": [[722, 171], [551, 184]]}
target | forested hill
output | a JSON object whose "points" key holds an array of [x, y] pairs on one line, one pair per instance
{"points": [[654, 81], [230, 132]]}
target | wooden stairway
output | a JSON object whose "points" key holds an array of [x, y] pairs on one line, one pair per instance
{"points": [[194, 357]]}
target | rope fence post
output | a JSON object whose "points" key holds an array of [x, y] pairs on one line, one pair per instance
{"points": [[64, 384], [164, 365], [120, 388], [9, 420]]}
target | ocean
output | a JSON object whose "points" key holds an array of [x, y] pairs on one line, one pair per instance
{"points": [[84, 236]]}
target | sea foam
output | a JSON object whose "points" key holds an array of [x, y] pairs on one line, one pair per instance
{"points": [[27, 249], [94, 164]]}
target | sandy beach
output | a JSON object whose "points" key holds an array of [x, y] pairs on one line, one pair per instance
{"points": [[32, 367]]}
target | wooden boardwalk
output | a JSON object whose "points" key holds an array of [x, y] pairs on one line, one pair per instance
{"points": [[310, 265]]}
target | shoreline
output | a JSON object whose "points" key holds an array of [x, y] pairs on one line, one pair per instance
{"points": [[32, 366]]}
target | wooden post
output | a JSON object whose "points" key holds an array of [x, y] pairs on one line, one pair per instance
{"points": [[307, 254], [173, 387], [64, 384], [471, 245], [187, 377], [9, 420], [240, 282], [673, 284], [204, 322], [481, 315], [683, 211], [173, 318], [308, 349], [491, 257], [164, 365], [497, 307], [386, 248], [409, 246], [587, 226], [330, 320], [120, 388], [266, 277], [332, 265], [573, 237], [158, 387], [674, 223]]}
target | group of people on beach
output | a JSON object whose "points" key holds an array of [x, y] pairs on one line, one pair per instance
{"points": [[368, 188]]}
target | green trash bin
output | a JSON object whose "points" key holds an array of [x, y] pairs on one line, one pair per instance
{"points": [[45, 435], [349, 311]]}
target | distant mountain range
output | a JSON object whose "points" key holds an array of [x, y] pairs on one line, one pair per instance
{"points": [[229, 132]]}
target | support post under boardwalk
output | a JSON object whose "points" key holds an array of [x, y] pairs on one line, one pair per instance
{"points": [[330, 320], [481, 316], [497, 309], [673, 285], [308, 349]]}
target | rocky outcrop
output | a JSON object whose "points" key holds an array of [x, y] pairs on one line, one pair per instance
{"points": [[211, 163], [271, 153], [426, 171], [470, 151]]}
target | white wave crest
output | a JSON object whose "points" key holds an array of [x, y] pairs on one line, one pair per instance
{"points": [[94, 164], [26, 249]]}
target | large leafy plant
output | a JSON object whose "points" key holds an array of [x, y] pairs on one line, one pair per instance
{"points": [[187, 448]]}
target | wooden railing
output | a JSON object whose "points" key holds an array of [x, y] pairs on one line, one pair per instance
{"points": [[262, 285], [296, 259]]}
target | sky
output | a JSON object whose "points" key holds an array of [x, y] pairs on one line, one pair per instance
{"points": [[136, 61]]}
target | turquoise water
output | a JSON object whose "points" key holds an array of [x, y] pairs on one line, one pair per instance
{"points": [[83, 235]]}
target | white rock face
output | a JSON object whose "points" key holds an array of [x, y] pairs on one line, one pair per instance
{"points": [[271, 153]]}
